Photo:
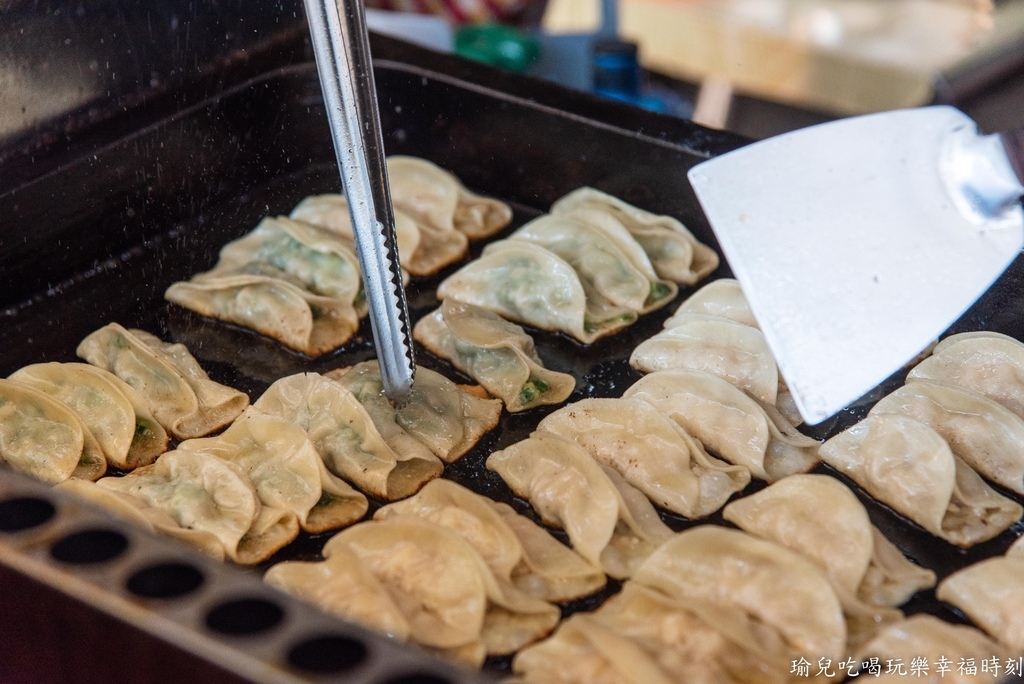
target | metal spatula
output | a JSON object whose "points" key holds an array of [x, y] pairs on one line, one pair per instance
{"points": [[858, 242], [341, 45]]}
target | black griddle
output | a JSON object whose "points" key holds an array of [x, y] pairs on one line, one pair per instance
{"points": [[99, 239]]}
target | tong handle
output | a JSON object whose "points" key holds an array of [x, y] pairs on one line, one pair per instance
{"points": [[342, 49]]}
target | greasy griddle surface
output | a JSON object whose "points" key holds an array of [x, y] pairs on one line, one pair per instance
{"points": [[128, 288]]}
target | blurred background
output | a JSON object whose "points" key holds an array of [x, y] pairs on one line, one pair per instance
{"points": [[71, 69]]}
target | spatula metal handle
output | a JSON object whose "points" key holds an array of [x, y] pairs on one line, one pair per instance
{"points": [[1013, 141], [341, 45]]}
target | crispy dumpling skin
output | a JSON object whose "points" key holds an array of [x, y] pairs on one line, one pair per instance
{"points": [[906, 465], [138, 512], [778, 588], [651, 452], [436, 197], [516, 550], [732, 351], [984, 362], [330, 211], [344, 435], [525, 283], [342, 586], [496, 353], [446, 591], [607, 259], [985, 434], [44, 438], [446, 418], [991, 594], [927, 637], [609, 522], [723, 297], [673, 250], [210, 495], [818, 517], [306, 322], [182, 397], [285, 469], [729, 423], [116, 415]]}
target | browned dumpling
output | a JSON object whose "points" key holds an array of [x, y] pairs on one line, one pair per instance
{"points": [[516, 549], [44, 438], [181, 396], [907, 465], [116, 415], [496, 353], [821, 519], [609, 522]]}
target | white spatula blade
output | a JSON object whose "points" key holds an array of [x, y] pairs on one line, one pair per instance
{"points": [[850, 247]]}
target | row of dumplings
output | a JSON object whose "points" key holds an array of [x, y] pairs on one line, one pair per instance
{"points": [[446, 569], [304, 456], [588, 268], [925, 448], [719, 605], [297, 279], [715, 331], [119, 410]]}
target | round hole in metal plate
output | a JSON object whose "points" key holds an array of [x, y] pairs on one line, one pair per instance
{"points": [[327, 654], [89, 546], [419, 678], [24, 513], [165, 580], [244, 616]]}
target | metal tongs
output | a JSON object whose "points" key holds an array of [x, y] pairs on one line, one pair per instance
{"points": [[342, 49]]}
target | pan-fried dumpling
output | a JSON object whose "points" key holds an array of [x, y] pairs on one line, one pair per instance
{"points": [[991, 594], [285, 469], [607, 259], [722, 297], [210, 495], [44, 438], [729, 423], [180, 394], [651, 452], [640, 636], [446, 591], [342, 586], [437, 198], [516, 549], [496, 353], [609, 522], [984, 362], [780, 591], [906, 465], [987, 436], [821, 519], [673, 250], [527, 284], [932, 641], [318, 260], [732, 351], [446, 418], [115, 414], [330, 211], [346, 439]]}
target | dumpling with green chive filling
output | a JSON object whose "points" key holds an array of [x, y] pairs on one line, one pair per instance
{"points": [[527, 284], [605, 256], [673, 250], [44, 438], [496, 353], [114, 412]]}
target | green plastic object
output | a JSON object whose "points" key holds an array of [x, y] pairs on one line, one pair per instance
{"points": [[497, 45]]}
